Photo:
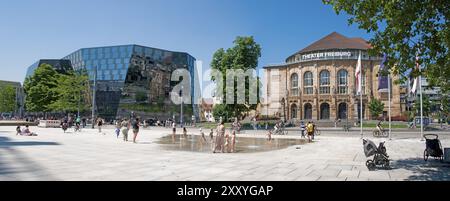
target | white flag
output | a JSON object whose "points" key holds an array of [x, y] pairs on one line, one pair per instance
{"points": [[416, 81], [358, 75]]}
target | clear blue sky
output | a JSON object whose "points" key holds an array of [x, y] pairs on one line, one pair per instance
{"points": [[31, 29]]}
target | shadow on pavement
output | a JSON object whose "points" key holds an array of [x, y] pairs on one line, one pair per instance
{"points": [[16, 165], [431, 170], [6, 142]]}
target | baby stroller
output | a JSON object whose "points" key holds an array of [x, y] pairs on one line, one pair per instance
{"points": [[433, 147], [380, 156]]}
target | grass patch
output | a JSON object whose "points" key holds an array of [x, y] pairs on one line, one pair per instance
{"points": [[384, 125]]}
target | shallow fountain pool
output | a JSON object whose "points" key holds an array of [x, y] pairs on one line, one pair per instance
{"points": [[195, 143]]}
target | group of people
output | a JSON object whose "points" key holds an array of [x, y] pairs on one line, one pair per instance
{"points": [[224, 142], [25, 131], [124, 126], [310, 129], [77, 122]]}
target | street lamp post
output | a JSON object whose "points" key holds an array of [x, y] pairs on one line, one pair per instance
{"points": [[94, 89], [181, 113]]}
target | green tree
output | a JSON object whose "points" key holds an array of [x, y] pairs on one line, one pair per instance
{"points": [[221, 110], [72, 92], [40, 89], [141, 96], [404, 28], [376, 107], [426, 106], [7, 98], [242, 56]]}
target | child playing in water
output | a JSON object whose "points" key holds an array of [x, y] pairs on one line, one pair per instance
{"points": [[233, 142], [185, 131], [269, 135], [227, 144], [211, 135], [203, 135]]}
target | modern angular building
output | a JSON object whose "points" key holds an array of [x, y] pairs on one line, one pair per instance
{"points": [[133, 78], [59, 65]]}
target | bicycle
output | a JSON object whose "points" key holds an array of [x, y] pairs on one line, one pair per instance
{"points": [[317, 132], [280, 131], [383, 133], [346, 128]]}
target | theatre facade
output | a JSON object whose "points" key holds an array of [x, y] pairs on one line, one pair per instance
{"points": [[318, 82]]}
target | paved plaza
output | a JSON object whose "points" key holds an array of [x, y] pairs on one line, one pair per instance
{"points": [[89, 155]]}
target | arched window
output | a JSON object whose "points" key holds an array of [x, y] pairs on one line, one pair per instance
{"points": [[294, 111], [307, 111], [342, 111], [324, 111], [324, 82], [308, 82], [294, 84], [342, 82]]}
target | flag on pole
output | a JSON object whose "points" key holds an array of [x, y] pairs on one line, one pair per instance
{"points": [[382, 80], [416, 80], [358, 75]]}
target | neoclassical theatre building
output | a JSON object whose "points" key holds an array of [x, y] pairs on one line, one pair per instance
{"points": [[318, 82]]}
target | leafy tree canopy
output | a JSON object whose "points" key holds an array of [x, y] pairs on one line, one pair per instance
{"points": [[39, 89], [244, 56], [403, 29], [376, 107], [7, 98]]}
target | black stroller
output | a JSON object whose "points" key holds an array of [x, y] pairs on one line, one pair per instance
{"points": [[380, 156], [434, 147]]}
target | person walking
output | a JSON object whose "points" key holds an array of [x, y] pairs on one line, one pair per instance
{"points": [[185, 132], [302, 129], [118, 126], [135, 126], [99, 124], [310, 130], [314, 129], [174, 128], [83, 122], [78, 124], [125, 128]]}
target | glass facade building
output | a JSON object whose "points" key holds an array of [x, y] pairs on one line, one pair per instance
{"points": [[133, 78], [61, 65]]}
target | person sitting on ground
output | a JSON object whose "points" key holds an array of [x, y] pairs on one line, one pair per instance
{"points": [[18, 130], [26, 132]]}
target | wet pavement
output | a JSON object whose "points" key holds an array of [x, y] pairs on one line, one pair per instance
{"points": [[195, 143]]}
